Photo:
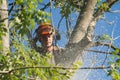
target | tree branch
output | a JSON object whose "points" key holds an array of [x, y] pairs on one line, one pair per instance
{"points": [[59, 22], [99, 12], [55, 67], [111, 2], [99, 51], [105, 44], [102, 52]]}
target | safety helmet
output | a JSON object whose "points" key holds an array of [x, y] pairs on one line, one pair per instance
{"points": [[45, 28]]}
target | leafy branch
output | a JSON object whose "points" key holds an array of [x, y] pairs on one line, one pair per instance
{"points": [[55, 67]]}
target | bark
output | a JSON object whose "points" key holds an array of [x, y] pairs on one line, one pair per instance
{"points": [[83, 22], [78, 42], [4, 16]]}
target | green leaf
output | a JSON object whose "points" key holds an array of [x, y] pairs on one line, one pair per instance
{"points": [[1, 57], [40, 1], [77, 64], [118, 61], [116, 51], [32, 23], [98, 1], [19, 2], [0, 2]]}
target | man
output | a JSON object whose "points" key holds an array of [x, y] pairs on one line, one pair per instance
{"points": [[45, 34]]}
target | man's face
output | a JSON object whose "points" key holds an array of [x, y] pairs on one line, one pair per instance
{"points": [[46, 40]]}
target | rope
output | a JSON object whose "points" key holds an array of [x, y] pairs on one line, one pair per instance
{"points": [[51, 13], [54, 38]]}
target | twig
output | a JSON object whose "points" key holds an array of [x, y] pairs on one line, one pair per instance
{"points": [[115, 11], [46, 6], [59, 22], [116, 37], [99, 51], [51, 17], [13, 4]]}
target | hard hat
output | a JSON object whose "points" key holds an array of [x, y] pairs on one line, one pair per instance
{"points": [[45, 28]]}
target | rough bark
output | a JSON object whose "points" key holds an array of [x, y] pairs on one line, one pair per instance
{"points": [[4, 16]]}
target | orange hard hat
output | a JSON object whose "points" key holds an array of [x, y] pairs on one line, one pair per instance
{"points": [[45, 28]]}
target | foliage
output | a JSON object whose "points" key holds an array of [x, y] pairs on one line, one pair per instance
{"points": [[115, 65], [25, 17], [102, 6], [68, 7], [21, 60], [23, 56]]}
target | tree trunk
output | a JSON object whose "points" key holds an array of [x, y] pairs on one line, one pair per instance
{"points": [[78, 42], [4, 19], [83, 22]]}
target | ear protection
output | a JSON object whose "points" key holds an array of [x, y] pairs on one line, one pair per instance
{"points": [[57, 35]]}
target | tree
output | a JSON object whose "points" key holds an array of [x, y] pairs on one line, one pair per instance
{"points": [[23, 16], [4, 26]]}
